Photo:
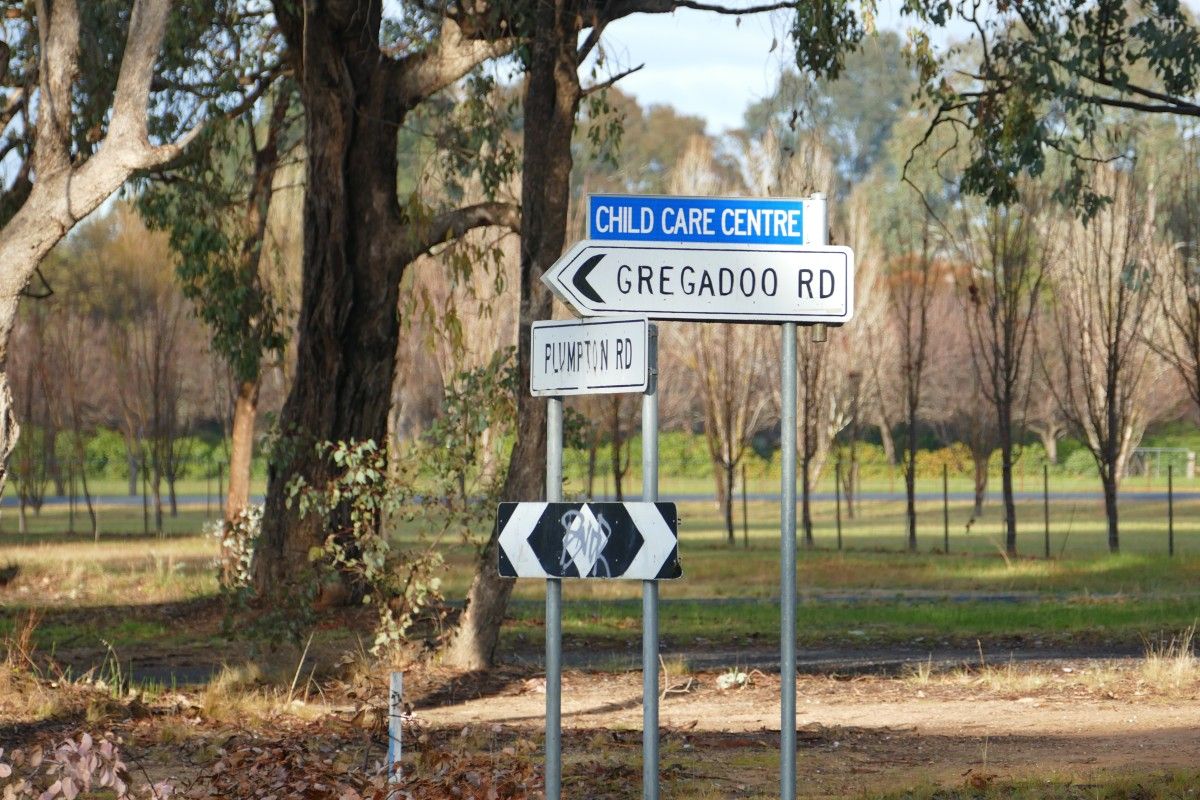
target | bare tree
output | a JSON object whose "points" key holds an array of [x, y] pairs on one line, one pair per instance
{"points": [[1103, 302], [29, 457], [1179, 290], [872, 351], [1043, 416], [79, 367], [954, 403], [1007, 253], [149, 328], [60, 182], [910, 284], [728, 362]]}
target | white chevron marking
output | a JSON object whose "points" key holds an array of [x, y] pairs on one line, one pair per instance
{"points": [[514, 540], [660, 541]]}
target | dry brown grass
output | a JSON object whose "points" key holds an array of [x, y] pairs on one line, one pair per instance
{"points": [[1171, 664]]}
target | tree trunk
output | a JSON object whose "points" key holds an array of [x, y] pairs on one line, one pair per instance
{"points": [[806, 499], [910, 480], [1110, 511], [172, 496], [9, 429], [593, 446], [348, 322], [50, 447], [889, 443], [981, 481], [551, 101], [241, 450], [850, 481], [615, 446], [728, 506], [1006, 480], [156, 482], [87, 494], [1049, 437], [135, 468]]}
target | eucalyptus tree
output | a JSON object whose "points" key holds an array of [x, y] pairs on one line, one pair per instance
{"points": [[360, 78], [215, 206]]}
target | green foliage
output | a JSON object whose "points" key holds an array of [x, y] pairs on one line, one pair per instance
{"points": [[855, 113], [824, 32], [473, 140], [401, 585], [478, 408], [236, 542], [1079, 462], [1054, 78], [214, 230], [446, 483], [651, 140]]}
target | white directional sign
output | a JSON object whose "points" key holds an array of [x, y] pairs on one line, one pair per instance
{"points": [[588, 357], [707, 282], [589, 540]]}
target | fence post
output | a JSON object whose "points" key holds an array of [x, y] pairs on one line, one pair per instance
{"points": [[946, 508], [145, 503], [837, 499], [745, 513], [70, 496], [1170, 510], [1046, 505]]}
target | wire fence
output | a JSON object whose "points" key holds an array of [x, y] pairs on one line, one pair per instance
{"points": [[1060, 512]]}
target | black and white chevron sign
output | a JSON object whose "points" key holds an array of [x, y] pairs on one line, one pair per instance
{"points": [[637, 541]]}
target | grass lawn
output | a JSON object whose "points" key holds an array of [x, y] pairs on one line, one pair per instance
{"points": [[1150, 786], [867, 592], [149, 600]]}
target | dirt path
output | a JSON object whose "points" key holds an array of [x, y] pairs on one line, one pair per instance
{"points": [[872, 733]]}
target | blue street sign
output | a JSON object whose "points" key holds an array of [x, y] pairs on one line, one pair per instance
{"points": [[696, 220]]}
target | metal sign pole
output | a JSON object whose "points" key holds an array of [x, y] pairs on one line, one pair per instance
{"points": [[815, 233], [650, 588], [554, 452], [787, 570]]}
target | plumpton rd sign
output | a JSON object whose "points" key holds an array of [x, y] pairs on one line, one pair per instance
{"points": [[598, 356]]}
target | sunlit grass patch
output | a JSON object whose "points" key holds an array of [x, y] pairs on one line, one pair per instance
{"points": [[1150, 786]]}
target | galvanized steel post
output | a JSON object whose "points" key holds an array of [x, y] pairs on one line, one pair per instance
{"points": [[787, 569], [554, 452], [815, 232], [650, 588]]}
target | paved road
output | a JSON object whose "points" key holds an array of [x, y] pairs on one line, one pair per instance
{"points": [[1056, 496]]}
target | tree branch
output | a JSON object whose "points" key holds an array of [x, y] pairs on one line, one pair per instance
{"points": [[454, 224], [147, 24], [593, 39], [58, 62], [419, 75], [12, 106], [606, 84]]}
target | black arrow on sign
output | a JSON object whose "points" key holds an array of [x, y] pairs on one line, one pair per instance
{"points": [[580, 279]]}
